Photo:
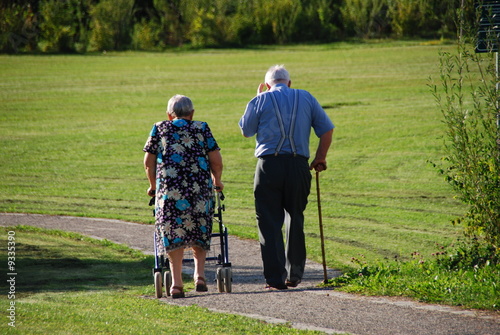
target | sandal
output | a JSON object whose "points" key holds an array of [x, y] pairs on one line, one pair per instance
{"points": [[179, 294], [201, 285]]}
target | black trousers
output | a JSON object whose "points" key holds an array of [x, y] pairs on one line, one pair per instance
{"points": [[281, 187]]}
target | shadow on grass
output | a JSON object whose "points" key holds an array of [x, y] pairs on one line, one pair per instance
{"points": [[47, 260]]}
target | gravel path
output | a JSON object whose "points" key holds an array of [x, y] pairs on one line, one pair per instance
{"points": [[305, 307]]}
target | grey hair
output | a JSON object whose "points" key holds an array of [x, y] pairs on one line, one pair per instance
{"points": [[276, 74], [180, 106]]}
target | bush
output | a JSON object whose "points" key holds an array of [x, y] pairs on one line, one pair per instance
{"points": [[146, 36], [173, 25], [449, 277], [58, 26], [241, 30], [279, 17], [408, 16], [111, 24], [468, 100], [317, 22], [468, 255], [18, 28], [365, 18], [81, 25], [422, 18], [438, 19], [203, 30]]}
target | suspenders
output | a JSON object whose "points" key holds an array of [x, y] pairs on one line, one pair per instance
{"points": [[284, 135]]}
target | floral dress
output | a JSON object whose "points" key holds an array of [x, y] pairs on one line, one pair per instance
{"points": [[184, 191]]}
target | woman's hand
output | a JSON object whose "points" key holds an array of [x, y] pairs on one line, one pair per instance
{"points": [[151, 191], [218, 186]]}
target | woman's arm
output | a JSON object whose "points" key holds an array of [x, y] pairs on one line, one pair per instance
{"points": [[215, 161], [150, 167]]}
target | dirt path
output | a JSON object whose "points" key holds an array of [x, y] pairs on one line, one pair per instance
{"points": [[306, 307]]}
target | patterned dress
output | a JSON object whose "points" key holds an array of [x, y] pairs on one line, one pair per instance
{"points": [[184, 190]]}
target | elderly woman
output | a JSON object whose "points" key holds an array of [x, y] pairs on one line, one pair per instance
{"points": [[183, 165]]}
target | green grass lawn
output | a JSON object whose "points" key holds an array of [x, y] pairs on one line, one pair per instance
{"points": [[72, 129], [70, 284]]}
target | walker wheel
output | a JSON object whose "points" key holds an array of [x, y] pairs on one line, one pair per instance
{"points": [[228, 280], [220, 279], [158, 285], [167, 279]]}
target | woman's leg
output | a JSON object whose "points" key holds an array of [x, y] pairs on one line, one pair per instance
{"points": [[199, 255], [175, 259]]}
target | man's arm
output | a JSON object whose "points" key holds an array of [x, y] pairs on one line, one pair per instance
{"points": [[319, 162], [249, 122]]}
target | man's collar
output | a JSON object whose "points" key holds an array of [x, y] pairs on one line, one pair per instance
{"points": [[278, 85]]}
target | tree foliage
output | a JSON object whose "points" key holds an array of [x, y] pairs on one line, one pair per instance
{"points": [[88, 25]]}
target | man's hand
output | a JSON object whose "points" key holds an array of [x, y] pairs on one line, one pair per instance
{"points": [[318, 165], [261, 88]]}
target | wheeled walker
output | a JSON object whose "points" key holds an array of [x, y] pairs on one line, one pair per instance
{"points": [[224, 275]]}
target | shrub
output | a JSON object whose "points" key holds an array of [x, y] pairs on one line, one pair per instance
{"points": [[365, 18], [438, 19], [449, 277], [280, 17], [316, 22], [81, 25], [203, 28], [407, 16], [58, 27], [468, 100], [469, 255], [241, 30], [18, 28], [173, 24], [422, 18], [146, 36], [111, 24]]}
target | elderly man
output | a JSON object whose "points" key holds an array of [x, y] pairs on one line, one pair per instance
{"points": [[282, 119]]}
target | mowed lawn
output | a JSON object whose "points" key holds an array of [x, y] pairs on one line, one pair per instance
{"points": [[72, 129]]}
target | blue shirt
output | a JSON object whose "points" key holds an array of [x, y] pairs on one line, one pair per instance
{"points": [[260, 118]]}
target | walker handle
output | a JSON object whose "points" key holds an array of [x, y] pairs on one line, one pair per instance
{"points": [[220, 194]]}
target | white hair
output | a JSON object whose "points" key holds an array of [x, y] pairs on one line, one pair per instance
{"points": [[180, 106], [276, 74]]}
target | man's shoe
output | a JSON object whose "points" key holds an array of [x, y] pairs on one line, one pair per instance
{"points": [[276, 287], [292, 283]]}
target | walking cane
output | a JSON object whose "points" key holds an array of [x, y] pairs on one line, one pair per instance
{"points": [[325, 275]]}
